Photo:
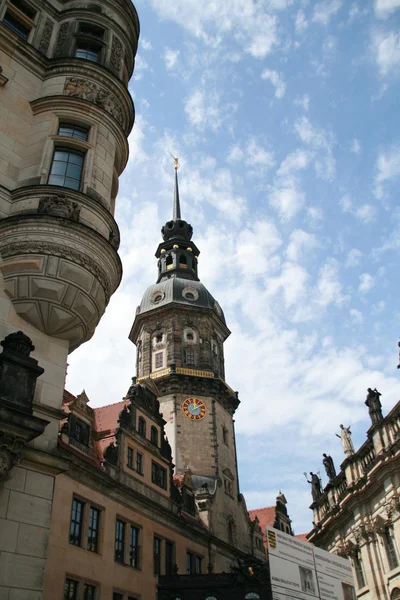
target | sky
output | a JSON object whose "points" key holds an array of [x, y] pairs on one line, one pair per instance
{"points": [[285, 117]]}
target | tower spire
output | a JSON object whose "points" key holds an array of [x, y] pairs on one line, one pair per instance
{"points": [[177, 206]]}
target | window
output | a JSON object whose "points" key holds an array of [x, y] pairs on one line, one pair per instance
{"points": [[70, 590], [154, 435], [158, 475], [158, 360], [79, 431], [129, 462], [225, 435], [19, 18], [169, 557], [390, 549], [156, 555], [93, 530], [190, 337], [230, 530], [142, 427], [359, 570], [117, 596], [87, 51], [134, 548], [79, 133], [119, 541], [89, 592], [189, 357], [66, 168], [139, 463], [193, 563], [75, 528]]}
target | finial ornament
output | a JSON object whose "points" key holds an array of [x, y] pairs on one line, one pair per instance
{"points": [[176, 162]]}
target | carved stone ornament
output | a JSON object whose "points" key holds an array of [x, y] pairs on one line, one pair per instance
{"points": [[46, 35], [112, 238], [116, 55], [11, 452], [78, 87], [62, 36], [59, 206]]}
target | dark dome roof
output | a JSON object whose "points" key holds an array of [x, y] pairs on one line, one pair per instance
{"points": [[182, 291]]}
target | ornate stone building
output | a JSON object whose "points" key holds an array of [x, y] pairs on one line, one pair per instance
{"points": [[357, 515], [65, 114]]}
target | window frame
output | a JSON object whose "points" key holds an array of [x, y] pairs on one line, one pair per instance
{"points": [[120, 540], [190, 357], [68, 580], [139, 459], [71, 151], [94, 540], [18, 15], [75, 522], [169, 557], [159, 475], [154, 435], [91, 40], [193, 562], [359, 571], [157, 544], [392, 555], [134, 549], [142, 426], [130, 458]]}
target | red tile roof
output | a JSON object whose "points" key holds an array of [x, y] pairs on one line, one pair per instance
{"points": [[302, 537], [266, 516], [106, 417]]}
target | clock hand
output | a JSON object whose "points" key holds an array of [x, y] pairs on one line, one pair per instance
{"points": [[194, 404]]}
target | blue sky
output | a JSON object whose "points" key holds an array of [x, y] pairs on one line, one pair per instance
{"points": [[285, 117]]}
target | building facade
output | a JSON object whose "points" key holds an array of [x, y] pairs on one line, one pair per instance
{"points": [[65, 114], [357, 515]]}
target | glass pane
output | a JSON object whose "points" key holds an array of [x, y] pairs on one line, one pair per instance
{"points": [[76, 159], [65, 130], [61, 155], [73, 184], [58, 168], [74, 171], [56, 180]]}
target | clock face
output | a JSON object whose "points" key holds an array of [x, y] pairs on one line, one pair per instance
{"points": [[194, 409]]}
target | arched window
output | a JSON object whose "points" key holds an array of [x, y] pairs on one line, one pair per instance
{"points": [[154, 435], [142, 427], [66, 168], [183, 261], [395, 595], [169, 262]]}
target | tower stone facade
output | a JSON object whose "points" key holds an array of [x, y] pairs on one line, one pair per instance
{"points": [[65, 114], [179, 331]]}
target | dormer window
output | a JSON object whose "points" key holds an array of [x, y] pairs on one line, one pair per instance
{"points": [[154, 436], [142, 427], [79, 431]]}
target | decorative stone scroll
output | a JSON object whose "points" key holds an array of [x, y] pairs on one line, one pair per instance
{"points": [[77, 87], [116, 55], [46, 36], [62, 36], [59, 206]]}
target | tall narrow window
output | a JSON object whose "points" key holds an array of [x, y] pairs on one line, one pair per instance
{"points": [[75, 528], [142, 427], [89, 592], [158, 475], [189, 357], [197, 564], [94, 528], [139, 463], [189, 561], [19, 18], [158, 360], [129, 462], [391, 550], [154, 435], [66, 168], [169, 557], [134, 549], [119, 541], [156, 556], [70, 590], [359, 570]]}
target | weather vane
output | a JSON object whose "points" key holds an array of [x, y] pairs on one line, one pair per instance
{"points": [[176, 161]]}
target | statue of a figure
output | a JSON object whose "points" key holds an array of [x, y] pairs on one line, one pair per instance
{"points": [[374, 405], [345, 438], [316, 490], [329, 467]]}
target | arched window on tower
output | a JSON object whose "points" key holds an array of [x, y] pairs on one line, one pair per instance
{"points": [[182, 261], [169, 262], [154, 435], [142, 427]]}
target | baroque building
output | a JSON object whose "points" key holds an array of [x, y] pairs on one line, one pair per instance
{"points": [[357, 514]]}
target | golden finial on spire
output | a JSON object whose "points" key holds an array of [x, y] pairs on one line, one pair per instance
{"points": [[176, 162]]}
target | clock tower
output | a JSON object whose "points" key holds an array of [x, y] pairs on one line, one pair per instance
{"points": [[179, 332]]}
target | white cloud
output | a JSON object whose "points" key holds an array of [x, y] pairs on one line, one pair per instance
{"points": [[324, 11], [367, 282], [386, 49], [365, 213], [355, 146], [387, 167], [277, 81], [299, 242], [145, 44], [235, 154], [318, 139], [171, 58], [136, 140], [356, 315], [253, 155], [353, 258], [286, 197], [295, 161], [302, 101], [315, 212], [249, 24], [301, 22], [203, 110], [384, 8]]}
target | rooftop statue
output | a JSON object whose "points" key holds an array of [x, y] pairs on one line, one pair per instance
{"points": [[329, 467], [374, 405], [345, 438]]}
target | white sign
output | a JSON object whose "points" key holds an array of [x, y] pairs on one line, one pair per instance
{"points": [[301, 571]]}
